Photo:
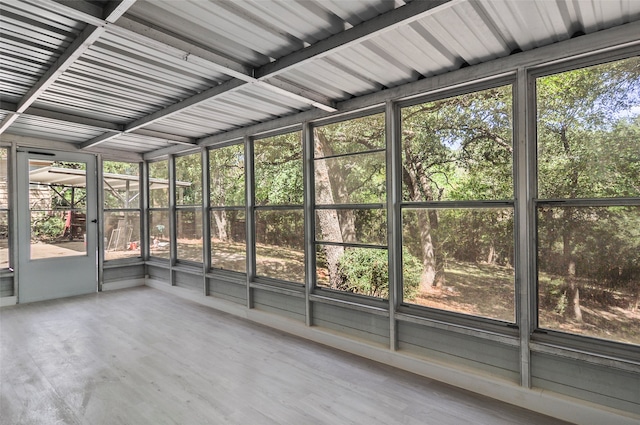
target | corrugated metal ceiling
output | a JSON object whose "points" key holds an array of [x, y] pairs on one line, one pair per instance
{"points": [[190, 69]]}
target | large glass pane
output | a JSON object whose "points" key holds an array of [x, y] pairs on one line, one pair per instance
{"points": [[121, 185], [355, 135], [353, 179], [460, 260], [226, 168], [189, 179], [159, 233], [4, 239], [159, 184], [4, 213], [589, 132], [228, 240], [366, 226], [4, 173], [122, 234], [589, 271], [57, 204], [278, 170], [363, 271], [280, 244], [459, 148], [189, 235]]}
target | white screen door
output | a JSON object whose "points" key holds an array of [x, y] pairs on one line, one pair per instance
{"points": [[57, 226]]}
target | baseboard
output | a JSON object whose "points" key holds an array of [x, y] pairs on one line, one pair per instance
{"points": [[121, 284], [538, 400], [8, 301]]}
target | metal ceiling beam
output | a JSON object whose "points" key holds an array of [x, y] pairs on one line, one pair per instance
{"points": [[177, 46], [109, 127], [385, 22], [45, 144], [382, 23], [187, 50], [614, 39], [104, 137], [81, 44], [187, 103], [12, 108]]}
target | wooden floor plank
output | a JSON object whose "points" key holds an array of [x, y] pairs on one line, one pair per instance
{"points": [[141, 356]]}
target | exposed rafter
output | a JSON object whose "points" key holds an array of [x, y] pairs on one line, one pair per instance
{"points": [[391, 20], [81, 44], [624, 35], [109, 127], [147, 35]]}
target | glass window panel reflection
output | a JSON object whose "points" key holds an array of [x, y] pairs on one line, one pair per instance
{"points": [[280, 244], [353, 179], [189, 235], [460, 260], [589, 271], [364, 226], [159, 233], [122, 235], [226, 170], [228, 240], [363, 271]]}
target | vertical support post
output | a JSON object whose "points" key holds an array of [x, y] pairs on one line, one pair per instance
{"points": [[143, 185], [100, 217], [524, 179], [250, 217], [309, 214], [394, 219], [173, 223], [206, 222], [13, 217]]}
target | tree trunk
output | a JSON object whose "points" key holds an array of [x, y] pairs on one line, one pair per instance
{"points": [[418, 185], [492, 255], [220, 218], [329, 221], [573, 292], [573, 295]]}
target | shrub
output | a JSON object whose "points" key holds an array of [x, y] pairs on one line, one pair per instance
{"points": [[48, 228], [365, 271]]}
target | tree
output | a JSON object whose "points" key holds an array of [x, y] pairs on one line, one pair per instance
{"points": [[349, 169], [580, 113], [457, 148]]}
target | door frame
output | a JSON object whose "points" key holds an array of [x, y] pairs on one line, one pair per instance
{"points": [[82, 270]]}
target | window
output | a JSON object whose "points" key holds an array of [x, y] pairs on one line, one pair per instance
{"points": [[189, 207], [4, 209], [279, 213], [588, 212], [227, 214], [457, 211], [121, 181], [159, 234], [350, 206]]}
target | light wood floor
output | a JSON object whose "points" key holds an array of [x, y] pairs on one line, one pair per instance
{"points": [[141, 356]]}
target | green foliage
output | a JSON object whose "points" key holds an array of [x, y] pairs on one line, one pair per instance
{"points": [[226, 170], [360, 176], [159, 190], [365, 271], [47, 227], [459, 148], [278, 170], [189, 171], [554, 296]]}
